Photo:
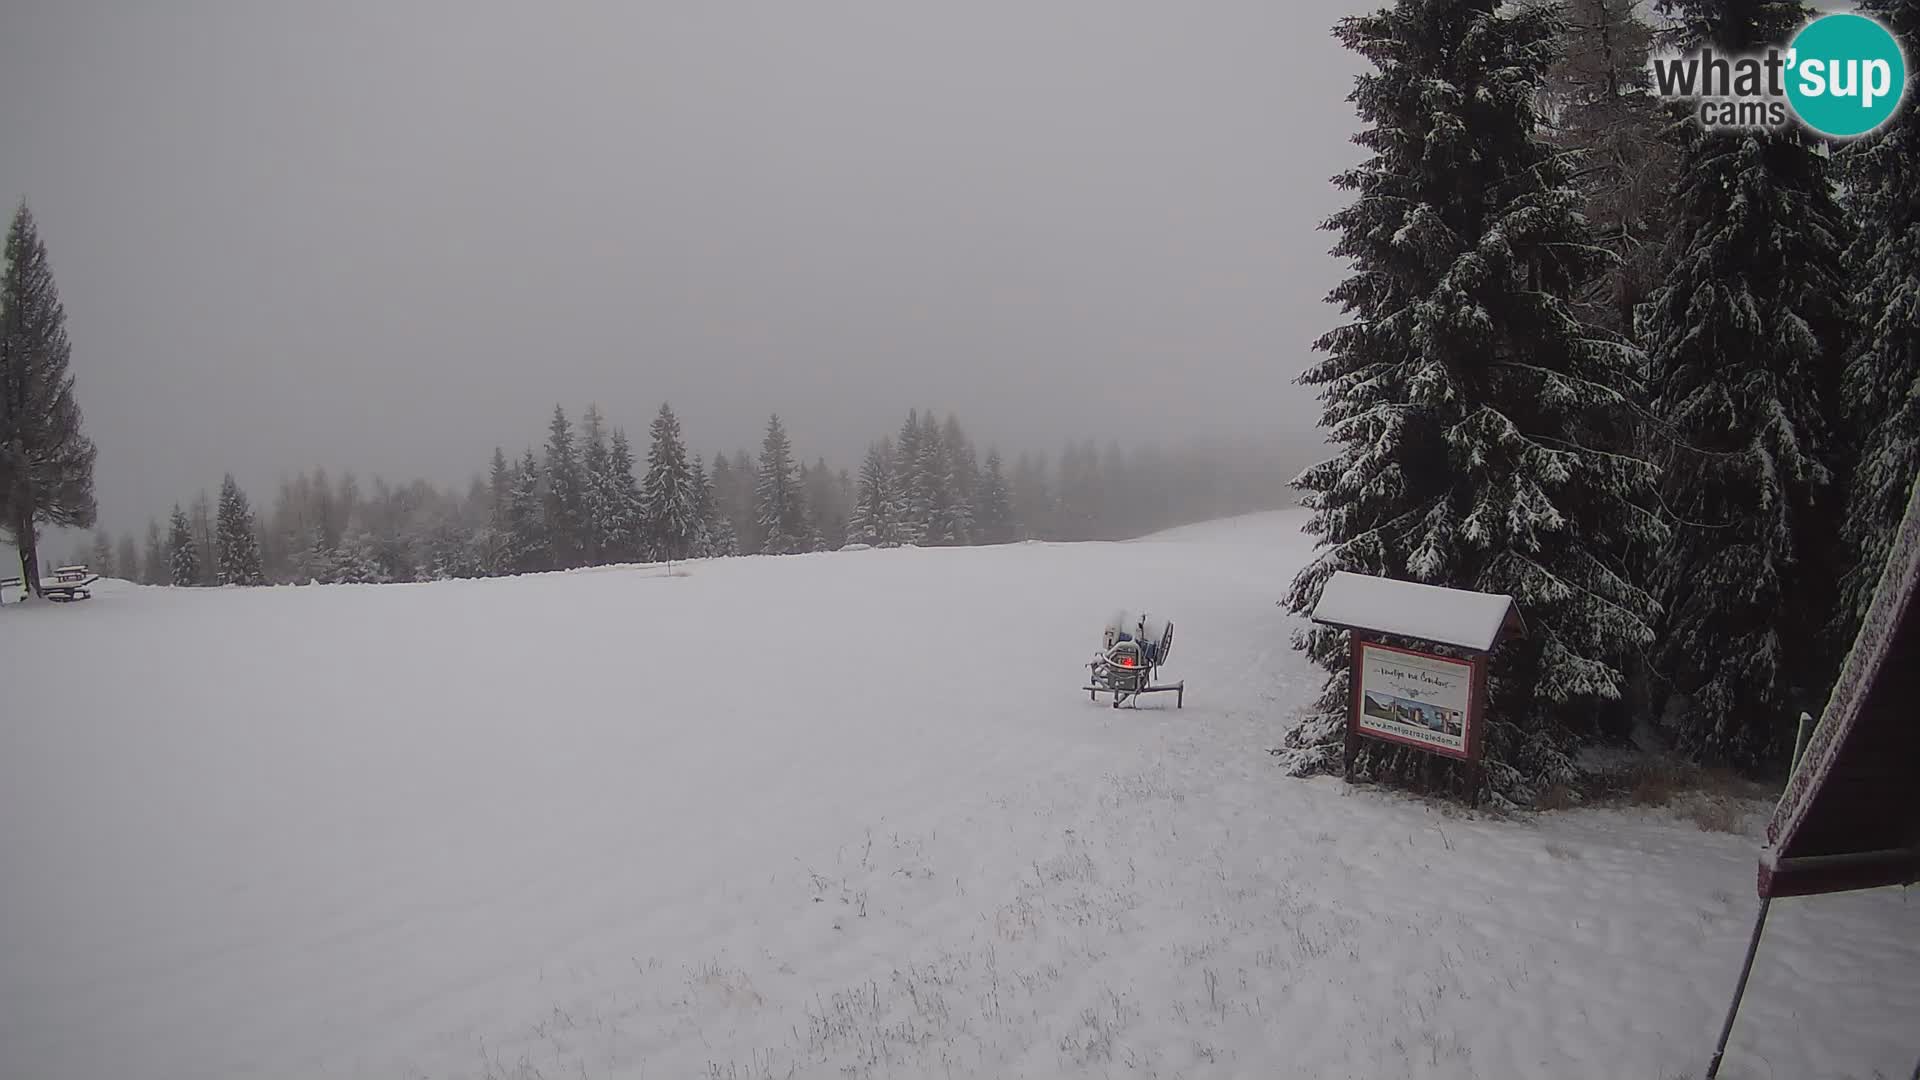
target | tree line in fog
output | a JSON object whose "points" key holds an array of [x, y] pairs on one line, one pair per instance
{"points": [[585, 497]]}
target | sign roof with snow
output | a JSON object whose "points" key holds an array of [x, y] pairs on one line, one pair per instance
{"points": [[1457, 617], [1849, 818]]}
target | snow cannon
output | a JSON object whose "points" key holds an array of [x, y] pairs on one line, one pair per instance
{"points": [[1132, 649], [1153, 635]]}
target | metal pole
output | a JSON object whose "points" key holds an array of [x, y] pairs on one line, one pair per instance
{"points": [[1759, 925], [1739, 990]]}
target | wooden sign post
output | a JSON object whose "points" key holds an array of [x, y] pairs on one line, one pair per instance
{"points": [[1430, 701]]}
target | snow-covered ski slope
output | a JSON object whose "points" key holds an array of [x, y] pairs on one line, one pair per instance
{"points": [[827, 815]]}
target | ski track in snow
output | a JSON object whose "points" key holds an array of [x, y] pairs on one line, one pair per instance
{"points": [[829, 815]]}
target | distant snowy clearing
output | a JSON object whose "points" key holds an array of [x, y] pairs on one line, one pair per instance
{"points": [[839, 814]]}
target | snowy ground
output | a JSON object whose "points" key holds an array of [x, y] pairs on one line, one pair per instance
{"points": [[828, 815]]}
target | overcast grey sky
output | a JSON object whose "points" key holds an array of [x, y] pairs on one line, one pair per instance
{"points": [[387, 236]]}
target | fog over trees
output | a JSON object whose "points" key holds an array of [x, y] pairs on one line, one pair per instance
{"points": [[583, 499]]}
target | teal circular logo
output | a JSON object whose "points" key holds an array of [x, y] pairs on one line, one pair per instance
{"points": [[1846, 75]]}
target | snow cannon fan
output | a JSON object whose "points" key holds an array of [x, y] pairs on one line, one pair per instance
{"points": [[1131, 651]]}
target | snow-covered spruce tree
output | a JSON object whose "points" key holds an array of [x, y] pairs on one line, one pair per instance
{"points": [[876, 511], [703, 543], [565, 494], [817, 482], [829, 504], [1744, 340], [597, 497], [626, 520], [46, 461], [721, 476], [893, 509], [206, 553], [1464, 396], [722, 540], [448, 530], [529, 549], [957, 521], [726, 483], [1624, 148], [487, 551], [808, 481], [355, 561], [499, 484], [235, 542], [996, 504], [384, 517], [1880, 399], [911, 492], [961, 481], [670, 511], [312, 560], [843, 503], [779, 501], [489, 542], [183, 560], [452, 551], [1624, 142], [932, 497]]}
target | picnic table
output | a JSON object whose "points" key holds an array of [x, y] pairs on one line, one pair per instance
{"points": [[69, 583], [67, 587]]}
